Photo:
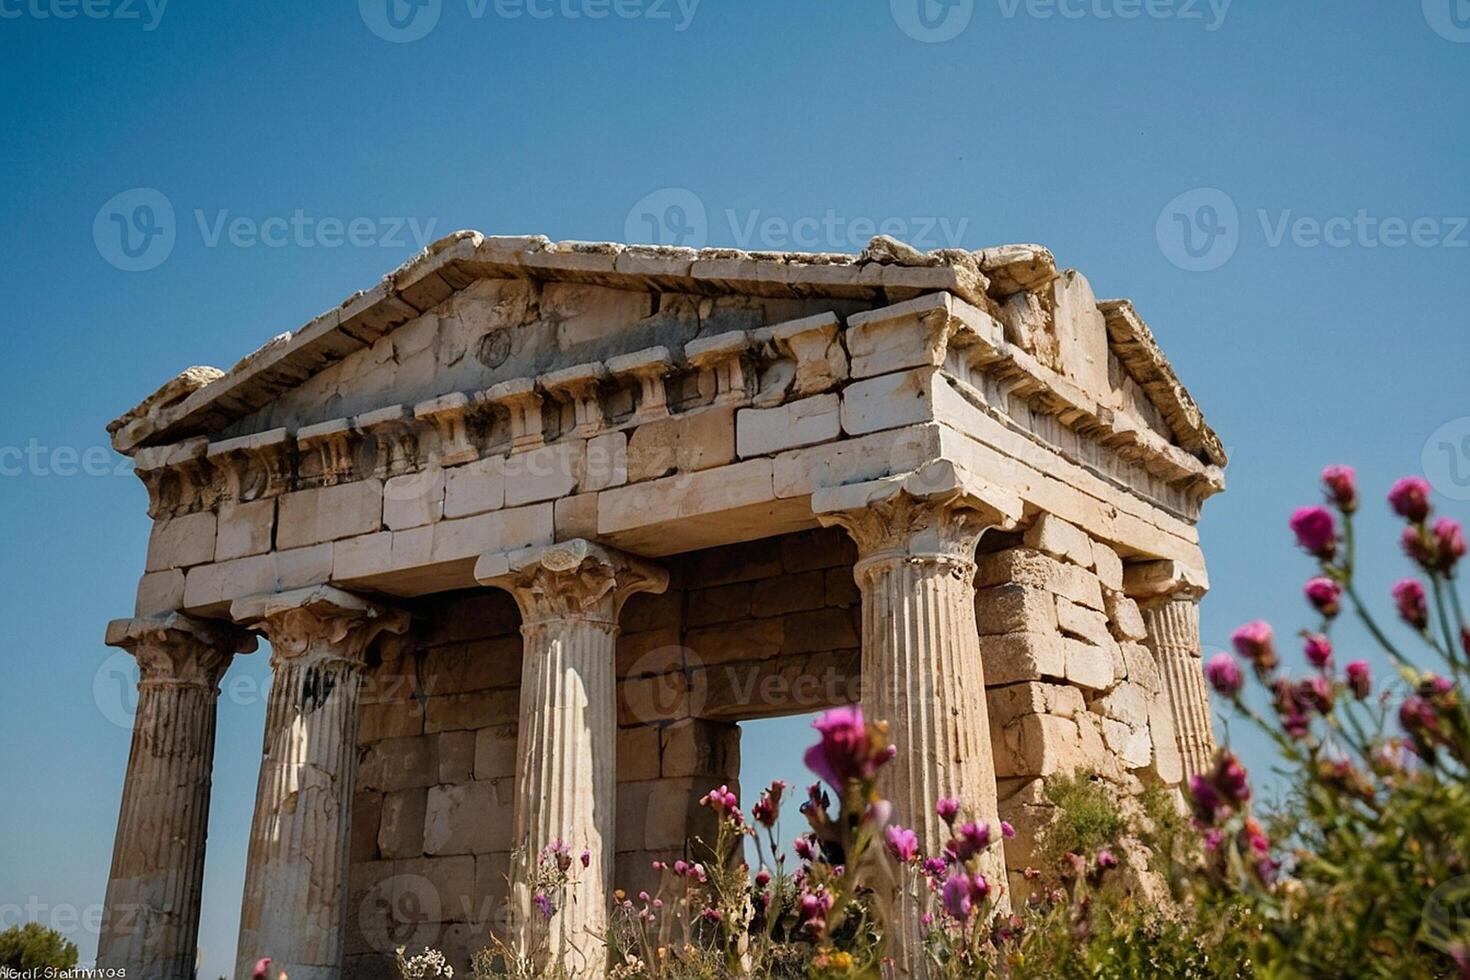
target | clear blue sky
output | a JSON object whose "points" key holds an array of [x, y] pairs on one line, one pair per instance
{"points": [[1077, 131]]}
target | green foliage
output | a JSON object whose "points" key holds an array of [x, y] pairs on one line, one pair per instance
{"points": [[33, 945], [1088, 819]]}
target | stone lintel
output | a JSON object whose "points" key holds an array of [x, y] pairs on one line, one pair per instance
{"points": [[1149, 580]]}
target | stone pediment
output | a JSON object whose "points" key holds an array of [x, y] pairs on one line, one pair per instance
{"points": [[473, 311]]}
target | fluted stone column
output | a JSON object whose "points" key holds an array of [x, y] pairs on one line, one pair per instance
{"points": [[1173, 635], [569, 595], [150, 923], [922, 669], [296, 871]]}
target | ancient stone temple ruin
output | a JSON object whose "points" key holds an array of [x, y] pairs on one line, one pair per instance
{"points": [[532, 527]]}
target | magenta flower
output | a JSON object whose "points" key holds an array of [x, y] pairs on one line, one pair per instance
{"points": [[1231, 780], [1342, 487], [970, 839], [1006, 830], [806, 847], [262, 969], [1325, 596], [768, 807], [1408, 596], [1224, 676], [956, 897], [1409, 498], [1316, 531], [902, 843], [1254, 642], [1360, 679], [947, 809], [1106, 860], [847, 751], [724, 802], [1449, 543], [586, 858], [1318, 649], [544, 905], [762, 878]]}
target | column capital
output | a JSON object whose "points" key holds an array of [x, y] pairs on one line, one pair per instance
{"points": [[321, 622], [937, 511], [1163, 580], [576, 578], [178, 649]]}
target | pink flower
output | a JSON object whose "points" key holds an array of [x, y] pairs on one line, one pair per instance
{"points": [[970, 839], [1318, 649], [724, 802], [1409, 498], [1408, 596], [1360, 679], [1342, 487], [806, 847], [1231, 780], [586, 858], [1254, 642], [1325, 596], [1418, 546], [1449, 543], [956, 897], [1224, 676], [1006, 830], [768, 807], [902, 843], [262, 969], [762, 878], [1316, 531], [947, 809], [847, 751], [1106, 860]]}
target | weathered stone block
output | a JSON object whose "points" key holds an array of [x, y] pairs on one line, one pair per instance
{"points": [[1124, 617], [545, 473], [1142, 668], [1108, 565], [1015, 609], [1008, 704], [697, 440], [456, 754], [888, 402], [789, 593], [1022, 566], [1055, 537], [413, 499], [765, 431], [1083, 623], [607, 462], [179, 542], [638, 753], [474, 710], [309, 517], [467, 818], [475, 488], [160, 592], [398, 763], [245, 529], [401, 828], [1012, 657], [1089, 666], [495, 752]]}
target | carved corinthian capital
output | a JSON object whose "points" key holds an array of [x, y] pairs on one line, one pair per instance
{"points": [[318, 623], [175, 649], [934, 512], [571, 579]]}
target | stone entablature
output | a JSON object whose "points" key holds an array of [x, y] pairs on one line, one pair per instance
{"points": [[1013, 471]]}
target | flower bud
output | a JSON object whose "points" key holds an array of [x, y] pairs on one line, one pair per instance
{"points": [[1316, 531], [1409, 498], [1342, 487]]}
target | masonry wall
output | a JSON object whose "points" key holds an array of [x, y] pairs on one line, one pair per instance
{"points": [[756, 630]]}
